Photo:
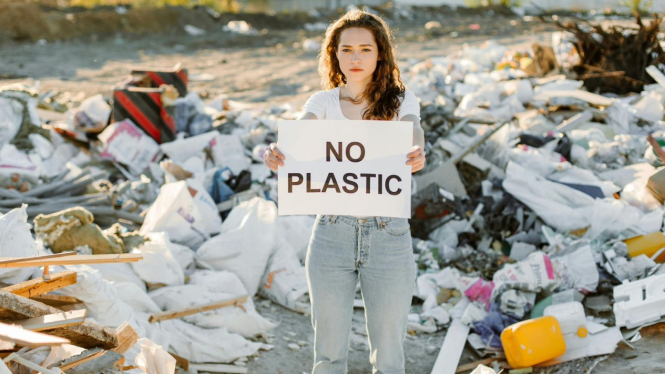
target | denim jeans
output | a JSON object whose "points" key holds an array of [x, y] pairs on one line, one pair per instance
{"points": [[379, 252]]}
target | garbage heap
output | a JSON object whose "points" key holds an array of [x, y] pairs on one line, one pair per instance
{"points": [[541, 240], [540, 209]]}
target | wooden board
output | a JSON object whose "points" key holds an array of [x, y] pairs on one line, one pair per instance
{"points": [[51, 321], [46, 257], [27, 338], [73, 260], [56, 300], [451, 350], [181, 362], [39, 286], [86, 335], [197, 309], [127, 337], [219, 368]]}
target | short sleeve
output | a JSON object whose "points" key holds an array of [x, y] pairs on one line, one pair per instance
{"points": [[410, 105], [316, 105]]}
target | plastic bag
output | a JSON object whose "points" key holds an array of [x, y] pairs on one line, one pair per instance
{"points": [[285, 281], [153, 359], [206, 205], [16, 241], [227, 150], [249, 229], [175, 212], [561, 207], [245, 322], [197, 344], [158, 265]]}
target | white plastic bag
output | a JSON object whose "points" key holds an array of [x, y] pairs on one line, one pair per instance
{"points": [[133, 296], [175, 212], [285, 281], [560, 206], [197, 344], [16, 241], [249, 228], [182, 149], [227, 150], [153, 359], [158, 265], [206, 205], [120, 272], [236, 320], [296, 230]]}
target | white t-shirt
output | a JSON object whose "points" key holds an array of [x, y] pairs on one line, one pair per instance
{"points": [[325, 105]]}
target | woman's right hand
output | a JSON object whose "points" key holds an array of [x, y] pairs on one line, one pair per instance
{"points": [[273, 157]]}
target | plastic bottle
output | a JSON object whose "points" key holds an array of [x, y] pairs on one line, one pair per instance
{"points": [[572, 321], [647, 245]]}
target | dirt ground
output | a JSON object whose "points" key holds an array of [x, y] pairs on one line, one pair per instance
{"points": [[273, 68]]}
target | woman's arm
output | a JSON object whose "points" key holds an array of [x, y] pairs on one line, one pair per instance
{"points": [[417, 155], [307, 115]]}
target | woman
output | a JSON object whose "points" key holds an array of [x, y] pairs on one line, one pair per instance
{"points": [[359, 72]]}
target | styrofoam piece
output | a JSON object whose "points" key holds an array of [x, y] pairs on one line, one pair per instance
{"points": [[656, 74], [639, 302]]}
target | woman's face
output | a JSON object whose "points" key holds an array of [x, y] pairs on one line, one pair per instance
{"points": [[357, 53]]}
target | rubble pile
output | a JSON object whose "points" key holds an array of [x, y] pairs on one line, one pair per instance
{"points": [[540, 209]]}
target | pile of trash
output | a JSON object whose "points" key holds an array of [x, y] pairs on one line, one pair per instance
{"points": [[545, 220], [159, 175], [540, 211]]}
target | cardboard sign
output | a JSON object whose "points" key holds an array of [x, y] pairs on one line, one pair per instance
{"points": [[345, 167]]}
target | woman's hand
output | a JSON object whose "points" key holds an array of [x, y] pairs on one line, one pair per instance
{"points": [[416, 158], [273, 157]]}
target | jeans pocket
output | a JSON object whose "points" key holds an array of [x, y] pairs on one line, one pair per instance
{"points": [[397, 227], [322, 219]]}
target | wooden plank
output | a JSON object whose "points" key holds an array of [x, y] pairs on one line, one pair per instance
{"points": [[127, 337], [197, 309], [46, 257], [27, 338], [219, 368], [39, 286], [82, 358], [86, 335], [51, 321], [451, 350], [56, 300], [75, 260], [181, 362]]}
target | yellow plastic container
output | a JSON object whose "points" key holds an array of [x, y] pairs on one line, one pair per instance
{"points": [[531, 342], [647, 245]]}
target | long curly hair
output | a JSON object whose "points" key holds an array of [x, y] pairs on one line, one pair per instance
{"points": [[385, 92]]}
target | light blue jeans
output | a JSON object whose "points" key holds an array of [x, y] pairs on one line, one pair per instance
{"points": [[379, 252]]}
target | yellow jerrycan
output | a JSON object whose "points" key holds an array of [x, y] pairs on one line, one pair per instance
{"points": [[531, 342]]}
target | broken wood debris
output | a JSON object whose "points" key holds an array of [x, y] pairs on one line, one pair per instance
{"points": [[27, 338], [51, 321], [163, 316], [127, 337], [39, 286], [86, 335]]}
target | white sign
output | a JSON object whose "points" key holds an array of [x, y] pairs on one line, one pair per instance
{"points": [[345, 167]]}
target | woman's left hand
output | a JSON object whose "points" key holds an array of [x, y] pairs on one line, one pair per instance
{"points": [[416, 158]]}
